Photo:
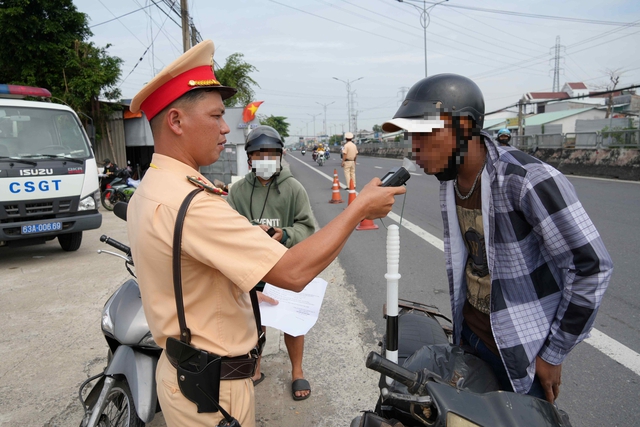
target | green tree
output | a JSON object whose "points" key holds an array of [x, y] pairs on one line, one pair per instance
{"points": [[335, 139], [278, 123], [377, 128], [45, 45], [235, 73]]}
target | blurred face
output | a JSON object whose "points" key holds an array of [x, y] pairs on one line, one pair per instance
{"points": [[433, 150], [267, 154], [204, 128], [265, 163]]}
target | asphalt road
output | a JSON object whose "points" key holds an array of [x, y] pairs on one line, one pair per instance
{"points": [[597, 389]]}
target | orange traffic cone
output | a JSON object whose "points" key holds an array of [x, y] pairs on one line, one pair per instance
{"points": [[367, 224], [335, 178], [335, 193], [352, 192]]}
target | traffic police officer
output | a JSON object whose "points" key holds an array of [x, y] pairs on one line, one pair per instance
{"points": [[349, 155], [223, 256]]}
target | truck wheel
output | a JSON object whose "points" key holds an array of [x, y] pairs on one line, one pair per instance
{"points": [[70, 242]]}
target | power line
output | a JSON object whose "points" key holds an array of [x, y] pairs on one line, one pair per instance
{"points": [[340, 23], [413, 26], [118, 17], [144, 53], [537, 16]]}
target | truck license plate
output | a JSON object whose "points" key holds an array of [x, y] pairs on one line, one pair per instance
{"points": [[42, 228]]}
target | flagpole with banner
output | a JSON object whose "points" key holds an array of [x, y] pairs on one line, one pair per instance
{"points": [[248, 116]]}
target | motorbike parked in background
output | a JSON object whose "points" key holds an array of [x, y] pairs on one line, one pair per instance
{"points": [[125, 392], [120, 189]]}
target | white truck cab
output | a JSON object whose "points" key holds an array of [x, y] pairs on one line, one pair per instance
{"points": [[49, 184]]}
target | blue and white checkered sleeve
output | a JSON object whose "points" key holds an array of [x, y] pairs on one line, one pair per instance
{"points": [[572, 243]]}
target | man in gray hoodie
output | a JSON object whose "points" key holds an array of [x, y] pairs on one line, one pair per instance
{"points": [[271, 198]]}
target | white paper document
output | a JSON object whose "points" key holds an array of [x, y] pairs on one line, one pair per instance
{"points": [[295, 313]]}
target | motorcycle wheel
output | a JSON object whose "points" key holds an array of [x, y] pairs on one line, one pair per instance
{"points": [[120, 410], [106, 199]]}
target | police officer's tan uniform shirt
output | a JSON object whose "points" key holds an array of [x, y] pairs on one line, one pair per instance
{"points": [[223, 257], [350, 151]]}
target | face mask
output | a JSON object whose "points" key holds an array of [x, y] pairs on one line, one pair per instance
{"points": [[265, 169]]}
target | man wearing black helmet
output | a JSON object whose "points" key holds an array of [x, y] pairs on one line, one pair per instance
{"points": [[270, 197], [527, 269]]}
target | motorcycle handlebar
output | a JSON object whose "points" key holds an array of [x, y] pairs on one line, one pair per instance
{"points": [[392, 370], [114, 243]]}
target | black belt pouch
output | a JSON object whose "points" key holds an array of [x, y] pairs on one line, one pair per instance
{"points": [[198, 374]]}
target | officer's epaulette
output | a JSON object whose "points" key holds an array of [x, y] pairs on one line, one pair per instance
{"points": [[199, 182]]}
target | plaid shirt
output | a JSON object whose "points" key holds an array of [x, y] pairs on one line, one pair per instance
{"points": [[549, 267]]}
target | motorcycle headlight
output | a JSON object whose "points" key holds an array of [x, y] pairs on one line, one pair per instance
{"points": [[455, 420], [87, 204], [148, 341], [107, 323]]}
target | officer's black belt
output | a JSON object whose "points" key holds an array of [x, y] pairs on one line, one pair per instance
{"points": [[231, 368], [347, 160]]}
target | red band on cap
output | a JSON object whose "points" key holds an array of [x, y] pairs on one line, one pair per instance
{"points": [[174, 89]]}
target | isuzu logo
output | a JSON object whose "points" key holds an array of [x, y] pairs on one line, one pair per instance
{"points": [[36, 172]]}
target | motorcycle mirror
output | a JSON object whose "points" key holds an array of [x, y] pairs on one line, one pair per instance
{"points": [[120, 209]]}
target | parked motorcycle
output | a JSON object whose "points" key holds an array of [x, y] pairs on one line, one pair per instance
{"points": [[119, 190], [435, 383], [125, 392]]}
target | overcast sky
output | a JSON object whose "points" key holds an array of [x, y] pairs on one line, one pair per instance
{"points": [[298, 46]]}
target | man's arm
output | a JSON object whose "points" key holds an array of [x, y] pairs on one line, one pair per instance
{"points": [[307, 259], [572, 241], [303, 224]]}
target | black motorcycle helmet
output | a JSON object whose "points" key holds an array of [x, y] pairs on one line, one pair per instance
{"points": [[433, 96], [263, 137]]}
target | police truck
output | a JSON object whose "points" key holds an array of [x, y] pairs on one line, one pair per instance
{"points": [[49, 184]]}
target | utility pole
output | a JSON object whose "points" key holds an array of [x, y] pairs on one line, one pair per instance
{"points": [[194, 34], [520, 124], [184, 12], [348, 85], [556, 65], [425, 20], [324, 123], [314, 124], [402, 91]]}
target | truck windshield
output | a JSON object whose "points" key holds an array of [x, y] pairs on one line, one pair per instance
{"points": [[39, 133]]}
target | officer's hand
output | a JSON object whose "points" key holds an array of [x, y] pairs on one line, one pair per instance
{"points": [[550, 377], [262, 297], [377, 200], [342, 164]]}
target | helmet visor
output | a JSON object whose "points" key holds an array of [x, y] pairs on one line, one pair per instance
{"points": [[417, 125]]}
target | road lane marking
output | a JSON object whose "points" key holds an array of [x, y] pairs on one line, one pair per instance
{"points": [[378, 167], [598, 340], [615, 350]]}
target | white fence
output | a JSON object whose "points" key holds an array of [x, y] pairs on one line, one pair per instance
{"points": [[581, 140]]}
